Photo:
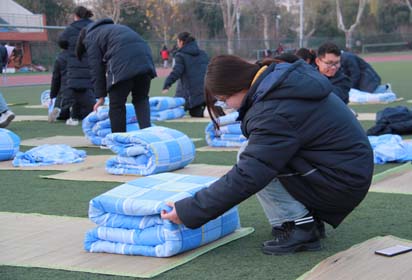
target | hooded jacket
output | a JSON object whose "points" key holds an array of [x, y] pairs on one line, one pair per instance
{"points": [[301, 134], [363, 76], [190, 67], [78, 71], [3, 57], [116, 53]]}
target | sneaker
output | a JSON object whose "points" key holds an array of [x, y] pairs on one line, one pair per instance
{"points": [[388, 88], [72, 122], [6, 118], [295, 236], [54, 115]]}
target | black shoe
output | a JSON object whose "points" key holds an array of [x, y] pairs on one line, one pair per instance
{"points": [[295, 236]]}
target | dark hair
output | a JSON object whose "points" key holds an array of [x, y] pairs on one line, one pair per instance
{"points": [[221, 67], [307, 55], [185, 37], [284, 57], [80, 47], [63, 44], [82, 12], [328, 47]]}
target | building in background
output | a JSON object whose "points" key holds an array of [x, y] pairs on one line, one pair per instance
{"points": [[16, 35]]}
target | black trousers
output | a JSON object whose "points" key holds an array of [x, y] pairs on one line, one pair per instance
{"points": [[84, 101], [140, 87]]}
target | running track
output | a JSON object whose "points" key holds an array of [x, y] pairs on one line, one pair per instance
{"points": [[44, 79]]}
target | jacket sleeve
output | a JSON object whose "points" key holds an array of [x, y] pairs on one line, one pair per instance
{"points": [[341, 86], [176, 73], [56, 80], [271, 145], [97, 69], [355, 72]]}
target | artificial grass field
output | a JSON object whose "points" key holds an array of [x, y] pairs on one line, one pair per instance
{"points": [[26, 192]]}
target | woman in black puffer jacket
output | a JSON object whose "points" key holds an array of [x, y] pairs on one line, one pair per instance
{"points": [[190, 68], [121, 62]]}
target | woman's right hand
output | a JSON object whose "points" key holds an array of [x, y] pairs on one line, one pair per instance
{"points": [[165, 90]]}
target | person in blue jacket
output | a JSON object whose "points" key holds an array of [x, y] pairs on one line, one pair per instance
{"points": [[328, 62], [78, 72], [308, 159], [190, 68], [121, 62], [362, 74]]}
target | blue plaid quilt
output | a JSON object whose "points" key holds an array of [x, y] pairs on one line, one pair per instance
{"points": [[97, 124], [48, 155], [166, 108], [149, 151], [129, 223], [390, 148], [362, 97], [229, 133]]}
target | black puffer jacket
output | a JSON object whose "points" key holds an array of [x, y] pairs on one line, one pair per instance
{"points": [[363, 76], [59, 77], [78, 71], [341, 85], [301, 134], [116, 53], [190, 68]]}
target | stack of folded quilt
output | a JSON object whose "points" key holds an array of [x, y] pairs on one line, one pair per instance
{"points": [[97, 124], [390, 148], [149, 151], [166, 108], [48, 155], [229, 133], [129, 223], [362, 97]]}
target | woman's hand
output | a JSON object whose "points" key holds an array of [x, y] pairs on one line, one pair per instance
{"points": [[172, 215], [99, 102], [165, 90]]}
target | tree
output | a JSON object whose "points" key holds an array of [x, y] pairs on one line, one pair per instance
{"points": [[56, 11], [410, 9], [341, 25], [229, 10], [110, 8]]}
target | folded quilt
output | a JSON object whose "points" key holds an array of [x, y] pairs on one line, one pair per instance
{"points": [[128, 218], [149, 151], [48, 155], [362, 97], [166, 108], [390, 148], [229, 133], [97, 124]]}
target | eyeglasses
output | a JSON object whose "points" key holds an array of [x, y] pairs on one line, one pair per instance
{"points": [[331, 64]]}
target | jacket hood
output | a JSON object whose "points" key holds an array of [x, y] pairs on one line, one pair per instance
{"points": [[191, 48], [98, 23], [298, 80], [79, 24]]}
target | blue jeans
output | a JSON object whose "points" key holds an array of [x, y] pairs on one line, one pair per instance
{"points": [[3, 104], [279, 206]]}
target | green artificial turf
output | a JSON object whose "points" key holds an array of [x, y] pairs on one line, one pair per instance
{"points": [[26, 192]]}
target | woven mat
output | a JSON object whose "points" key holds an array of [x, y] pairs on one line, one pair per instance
{"points": [[24, 118], [98, 173], [33, 240], [360, 262], [217, 149], [366, 116], [394, 180], [73, 141]]}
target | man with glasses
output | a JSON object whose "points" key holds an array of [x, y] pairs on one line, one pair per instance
{"points": [[328, 63]]}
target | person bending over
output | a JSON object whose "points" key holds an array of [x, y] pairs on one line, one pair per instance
{"points": [[308, 159]]}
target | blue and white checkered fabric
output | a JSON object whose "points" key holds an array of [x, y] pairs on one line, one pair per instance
{"points": [[390, 148], [9, 144], [97, 124], [149, 151], [166, 108], [362, 97], [159, 103], [229, 133], [129, 223], [48, 155]]}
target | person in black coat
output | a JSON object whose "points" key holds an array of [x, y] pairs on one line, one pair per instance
{"points": [[6, 115], [58, 89], [328, 63], [190, 68], [307, 158], [120, 61], [78, 72], [363, 76]]}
